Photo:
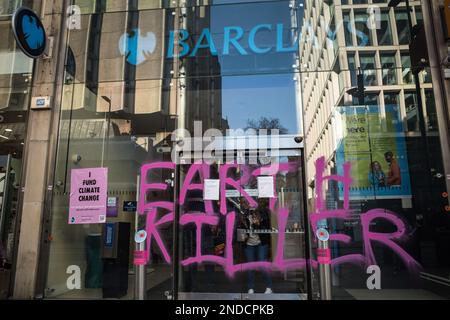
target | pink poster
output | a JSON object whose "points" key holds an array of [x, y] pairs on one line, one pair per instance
{"points": [[140, 258], [88, 196]]}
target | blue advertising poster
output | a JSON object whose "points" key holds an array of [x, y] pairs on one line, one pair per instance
{"points": [[372, 139]]}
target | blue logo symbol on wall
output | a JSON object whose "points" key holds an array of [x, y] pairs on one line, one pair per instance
{"points": [[137, 47], [34, 34], [29, 32]]}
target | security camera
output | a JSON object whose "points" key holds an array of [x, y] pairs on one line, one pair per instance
{"points": [[76, 158], [298, 139]]}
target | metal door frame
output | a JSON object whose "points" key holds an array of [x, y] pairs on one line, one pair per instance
{"points": [[286, 142]]}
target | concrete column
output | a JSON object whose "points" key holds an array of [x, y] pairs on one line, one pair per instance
{"points": [[37, 156]]}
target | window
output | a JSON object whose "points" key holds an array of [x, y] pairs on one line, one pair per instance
{"points": [[363, 33], [388, 67], [419, 15], [371, 99], [352, 68], [406, 69], [367, 61], [391, 98], [411, 111], [432, 123], [384, 33], [401, 16], [347, 29]]}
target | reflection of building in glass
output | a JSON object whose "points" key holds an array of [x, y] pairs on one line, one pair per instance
{"points": [[330, 56], [382, 139], [203, 83]]}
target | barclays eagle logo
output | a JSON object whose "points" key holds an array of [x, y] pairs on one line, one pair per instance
{"points": [[135, 47], [33, 33]]}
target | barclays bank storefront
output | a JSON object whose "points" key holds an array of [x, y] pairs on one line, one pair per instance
{"points": [[222, 149]]}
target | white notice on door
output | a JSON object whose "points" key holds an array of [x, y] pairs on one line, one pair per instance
{"points": [[211, 189], [265, 187]]}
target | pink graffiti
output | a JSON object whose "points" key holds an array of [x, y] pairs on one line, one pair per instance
{"points": [[202, 169], [151, 208], [279, 263], [386, 238]]}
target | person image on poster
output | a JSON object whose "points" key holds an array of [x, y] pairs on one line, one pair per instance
{"points": [[376, 175], [394, 178]]}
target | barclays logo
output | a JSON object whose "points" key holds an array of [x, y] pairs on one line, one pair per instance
{"points": [[136, 47], [33, 33], [29, 32]]}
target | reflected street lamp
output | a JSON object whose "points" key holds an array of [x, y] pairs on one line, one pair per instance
{"points": [[360, 90], [108, 100]]}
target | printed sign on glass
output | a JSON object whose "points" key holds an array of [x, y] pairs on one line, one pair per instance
{"points": [[211, 189], [266, 187], [88, 196]]}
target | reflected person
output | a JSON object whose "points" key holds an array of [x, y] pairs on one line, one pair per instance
{"points": [[257, 244], [394, 176]]}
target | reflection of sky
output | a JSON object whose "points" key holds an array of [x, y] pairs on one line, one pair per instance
{"points": [[251, 96]]}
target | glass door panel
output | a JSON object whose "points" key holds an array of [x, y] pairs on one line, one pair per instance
{"points": [[241, 228]]}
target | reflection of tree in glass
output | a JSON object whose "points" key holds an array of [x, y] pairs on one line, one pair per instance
{"points": [[266, 123]]}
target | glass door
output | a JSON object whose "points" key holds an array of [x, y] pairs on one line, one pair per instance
{"points": [[241, 228]]}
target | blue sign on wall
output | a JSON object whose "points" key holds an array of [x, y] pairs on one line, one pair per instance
{"points": [[130, 206], [29, 32]]}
